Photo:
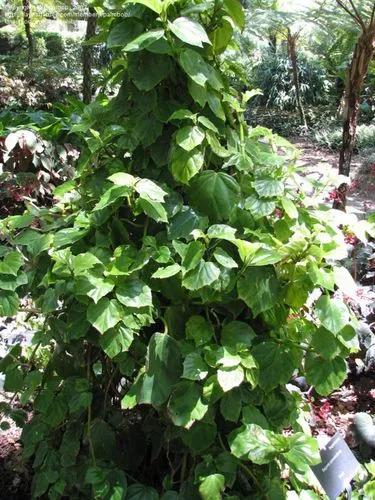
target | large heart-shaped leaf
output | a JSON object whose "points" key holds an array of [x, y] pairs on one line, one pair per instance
{"points": [[163, 370], [186, 164], [134, 293], [105, 314], [215, 194], [325, 375], [332, 313], [189, 31]]}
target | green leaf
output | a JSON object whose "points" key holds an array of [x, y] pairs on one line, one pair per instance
{"points": [[236, 12], [19, 221], [9, 303], [332, 313], [369, 489], [200, 436], [189, 31], [259, 288], [215, 105], [182, 225], [68, 236], [222, 232], [325, 343], [277, 363], [83, 262], [139, 491], [215, 145], [149, 190], [11, 263], [189, 137], [127, 259], [231, 405], [203, 275], [163, 370], [215, 194], [304, 451], [167, 272], [325, 375], [269, 188], [185, 165], [144, 41], [229, 378], [123, 179], [224, 259], [195, 66], [212, 487], [110, 197], [222, 356], [154, 209], [134, 293], [197, 92], [199, 330], [222, 35], [237, 334], [93, 286], [105, 314], [156, 6], [290, 208], [185, 405], [116, 340], [193, 255], [11, 283], [252, 415], [259, 208], [147, 69], [194, 367], [208, 124], [14, 380], [124, 32], [35, 242], [253, 443], [321, 277], [182, 114]]}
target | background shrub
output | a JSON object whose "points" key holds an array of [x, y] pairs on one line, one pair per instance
{"points": [[273, 76]]}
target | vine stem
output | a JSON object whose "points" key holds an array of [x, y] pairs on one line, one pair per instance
{"points": [[146, 227], [183, 468], [89, 411], [246, 469], [253, 477]]}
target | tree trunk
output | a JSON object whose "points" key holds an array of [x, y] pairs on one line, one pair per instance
{"points": [[292, 42], [356, 74], [272, 41], [29, 36], [87, 57]]}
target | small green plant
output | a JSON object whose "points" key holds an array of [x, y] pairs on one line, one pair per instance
{"points": [[273, 75], [172, 278], [332, 136]]}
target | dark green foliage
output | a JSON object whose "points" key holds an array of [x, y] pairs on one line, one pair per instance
{"points": [[54, 43], [274, 77]]}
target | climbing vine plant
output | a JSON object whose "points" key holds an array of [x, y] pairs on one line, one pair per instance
{"points": [[172, 282]]}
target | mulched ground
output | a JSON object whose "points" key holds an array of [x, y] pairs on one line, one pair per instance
{"points": [[335, 413], [14, 474]]}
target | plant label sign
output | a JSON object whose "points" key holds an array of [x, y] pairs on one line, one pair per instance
{"points": [[338, 467]]}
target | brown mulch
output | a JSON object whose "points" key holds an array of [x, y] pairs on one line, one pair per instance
{"points": [[335, 413], [14, 475]]}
